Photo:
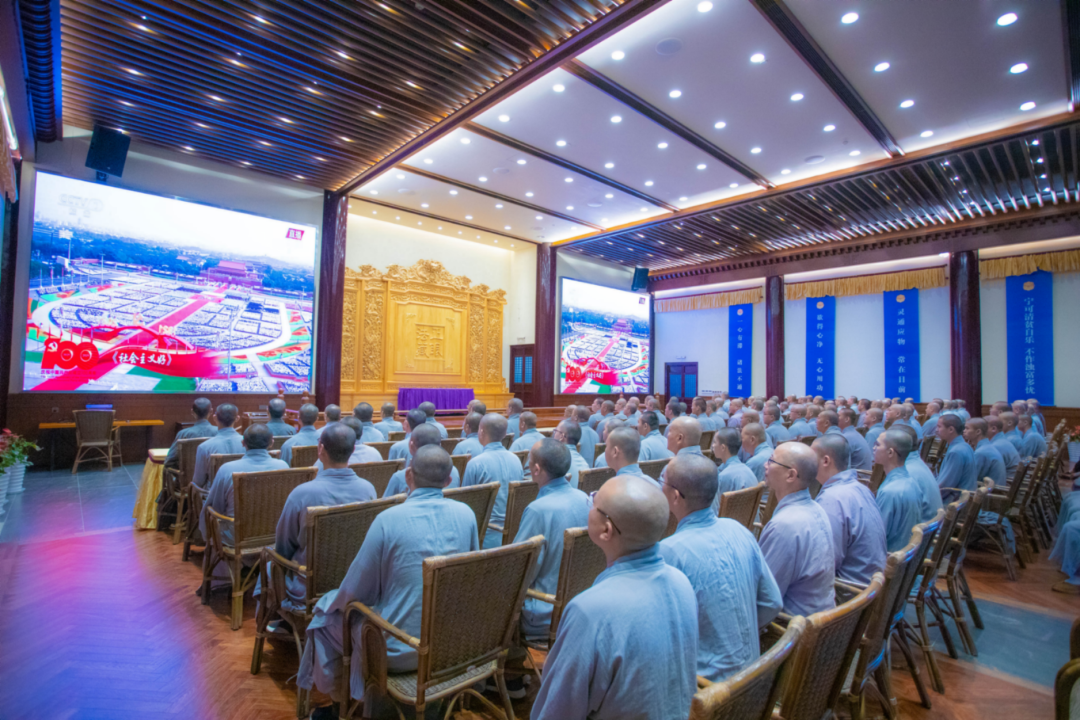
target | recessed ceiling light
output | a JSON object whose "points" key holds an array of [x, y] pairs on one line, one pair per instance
{"points": [[616, 118], [675, 94], [560, 143], [785, 171], [1006, 19], [644, 209], [829, 128], [468, 217], [217, 98], [428, 161], [285, 120], [720, 125], [397, 217], [683, 199], [498, 206], [374, 192], [881, 67], [539, 217], [757, 58], [505, 227], [648, 183], [424, 205], [907, 103], [559, 88], [926, 133], [263, 142], [568, 179], [342, 55], [504, 118], [440, 227], [704, 7], [189, 148], [609, 165], [609, 196], [734, 185], [662, 145], [528, 194], [465, 141], [755, 150], [133, 71], [1027, 106], [521, 161], [569, 207], [419, 223], [797, 97], [701, 166], [345, 139], [849, 18], [453, 192], [854, 153], [400, 176], [483, 179], [320, 159], [244, 162], [1018, 68], [618, 55], [1034, 142]]}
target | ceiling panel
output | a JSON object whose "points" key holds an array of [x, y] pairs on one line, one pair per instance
{"points": [[952, 59], [581, 117], [706, 58], [408, 190], [405, 218], [493, 166]]}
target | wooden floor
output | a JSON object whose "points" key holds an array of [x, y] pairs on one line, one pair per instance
{"points": [[101, 621]]}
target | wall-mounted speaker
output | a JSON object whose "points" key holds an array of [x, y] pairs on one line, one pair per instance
{"points": [[641, 279], [108, 151]]}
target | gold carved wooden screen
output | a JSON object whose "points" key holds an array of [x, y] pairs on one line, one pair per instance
{"points": [[420, 326]]}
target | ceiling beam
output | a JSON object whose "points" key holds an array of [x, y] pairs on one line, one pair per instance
{"points": [[565, 164], [1070, 22], [440, 218], [624, 96], [789, 27], [495, 195], [41, 45], [618, 18]]}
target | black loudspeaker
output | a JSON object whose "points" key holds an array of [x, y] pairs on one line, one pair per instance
{"points": [[108, 151], [641, 279]]}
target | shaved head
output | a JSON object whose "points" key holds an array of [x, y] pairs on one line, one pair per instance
{"points": [[628, 441], [836, 447], [638, 509], [689, 428], [493, 427], [308, 414], [694, 476], [431, 467]]}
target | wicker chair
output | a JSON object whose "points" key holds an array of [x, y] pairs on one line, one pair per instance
{"points": [[453, 433], [471, 605], [582, 561], [196, 497], [807, 439], [383, 448], [824, 655], [742, 505], [1021, 516], [599, 449], [481, 498], [706, 439], [523, 456], [751, 694], [872, 479], [653, 468], [94, 433], [872, 668], [175, 483], [449, 444], [259, 498], [333, 538], [991, 526], [279, 440], [377, 473], [765, 513], [396, 435], [460, 461], [518, 496], [507, 441], [304, 456], [589, 481]]}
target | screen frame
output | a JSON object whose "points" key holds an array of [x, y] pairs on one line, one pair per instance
{"points": [[22, 269], [558, 339]]}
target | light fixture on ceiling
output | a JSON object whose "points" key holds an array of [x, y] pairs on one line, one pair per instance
{"points": [[616, 118], [683, 199], [244, 163], [618, 55], [320, 159], [465, 141], [609, 196], [849, 18], [504, 118], [539, 217], [424, 205], [374, 192], [345, 139], [400, 176], [419, 223], [505, 227], [263, 142], [644, 209], [528, 194], [468, 217], [560, 143], [757, 58], [829, 128], [755, 150], [1018, 68], [133, 71], [648, 183], [521, 161], [1027, 106], [734, 185], [797, 97], [453, 192], [907, 103], [662, 145], [189, 148], [428, 161], [1006, 19], [926, 133], [675, 94], [483, 179], [881, 67], [559, 88], [854, 153], [720, 125], [609, 165], [704, 7], [701, 166], [569, 207], [342, 55], [498, 206], [1034, 142], [785, 171], [569, 179]]}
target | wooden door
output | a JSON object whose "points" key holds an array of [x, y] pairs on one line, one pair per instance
{"points": [[521, 373], [680, 379]]}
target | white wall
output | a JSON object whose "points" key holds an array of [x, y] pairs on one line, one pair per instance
{"points": [[1066, 340], [154, 170], [381, 244], [935, 342]]}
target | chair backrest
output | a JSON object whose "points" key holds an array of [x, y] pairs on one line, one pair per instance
{"points": [[507, 441], [382, 447], [279, 440], [304, 455], [481, 498], [672, 526], [1029, 491], [452, 433], [93, 425], [706, 439], [217, 460], [518, 496], [185, 452], [460, 461], [590, 480], [877, 476], [766, 511], [1012, 492], [471, 606], [965, 524], [582, 561], [378, 473], [807, 439], [653, 468], [449, 444], [396, 435], [598, 449], [944, 535], [824, 655], [334, 537], [742, 505], [523, 456], [751, 693], [259, 498]]}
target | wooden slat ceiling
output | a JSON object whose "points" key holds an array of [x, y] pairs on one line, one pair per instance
{"points": [[1029, 169], [310, 91]]}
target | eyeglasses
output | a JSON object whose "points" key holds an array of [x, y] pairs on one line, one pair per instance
{"points": [[592, 501], [770, 460], [663, 482]]}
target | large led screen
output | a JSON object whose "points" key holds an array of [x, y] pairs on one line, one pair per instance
{"points": [[131, 292], [604, 346]]}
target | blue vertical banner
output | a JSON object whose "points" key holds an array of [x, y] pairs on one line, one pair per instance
{"points": [[1029, 321], [902, 378], [740, 349], [821, 346]]}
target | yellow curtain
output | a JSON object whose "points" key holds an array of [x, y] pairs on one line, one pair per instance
{"points": [[997, 268], [869, 284], [710, 300]]}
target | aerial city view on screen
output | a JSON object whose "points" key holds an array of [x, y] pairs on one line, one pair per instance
{"points": [[131, 292], [605, 340]]}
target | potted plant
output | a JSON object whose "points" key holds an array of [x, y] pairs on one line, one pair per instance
{"points": [[14, 459]]}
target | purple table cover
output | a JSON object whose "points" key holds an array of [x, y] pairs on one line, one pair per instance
{"points": [[444, 398]]}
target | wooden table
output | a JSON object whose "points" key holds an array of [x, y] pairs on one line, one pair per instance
{"points": [[71, 426]]}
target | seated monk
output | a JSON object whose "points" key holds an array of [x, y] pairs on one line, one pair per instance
{"points": [[400, 449], [364, 413], [200, 410], [388, 424], [494, 464], [225, 442], [361, 453], [256, 442], [420, 437], [276, 409], [306, 436], [470, 433], [333, 415]]}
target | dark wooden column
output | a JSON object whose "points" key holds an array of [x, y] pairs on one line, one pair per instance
{"points": [[9, 240], [774, 336], [965, 329], [547, 327], [331, 299]]}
